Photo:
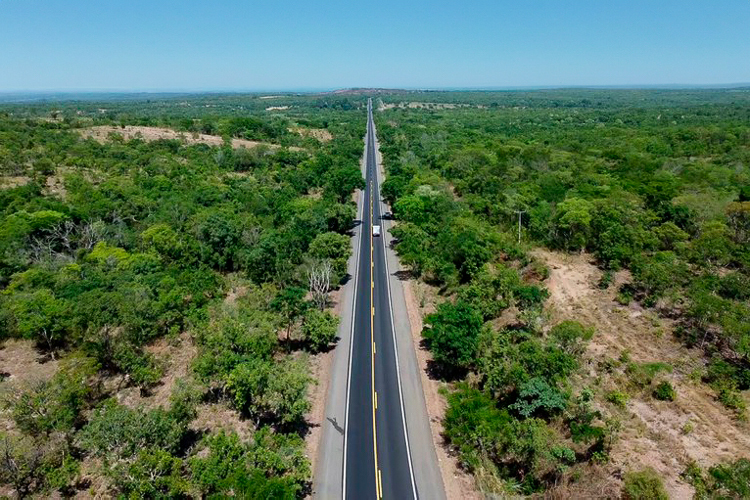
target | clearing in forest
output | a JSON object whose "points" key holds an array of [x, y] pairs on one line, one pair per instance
{"points": [[101, 133]]}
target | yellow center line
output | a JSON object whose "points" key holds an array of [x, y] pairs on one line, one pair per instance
{"points": [[378, 481]]}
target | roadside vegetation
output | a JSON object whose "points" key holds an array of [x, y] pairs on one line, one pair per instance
{"points": [[113, 253], [654, 188]]}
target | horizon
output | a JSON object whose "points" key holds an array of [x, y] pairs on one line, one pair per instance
{"points": [[396, 89]]}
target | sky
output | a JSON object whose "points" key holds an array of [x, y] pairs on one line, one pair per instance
{"points": [[191, 45]]}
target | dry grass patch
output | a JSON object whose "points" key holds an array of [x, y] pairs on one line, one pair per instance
{"points": [[660, 434], [101, 134]]}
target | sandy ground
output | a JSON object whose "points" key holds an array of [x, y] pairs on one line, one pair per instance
{"points": [[101, 134], [21, 365], [176, 356], [458, 483], [319, 134], [12, 181], [277, 108], [653, 431], [425, 105]]}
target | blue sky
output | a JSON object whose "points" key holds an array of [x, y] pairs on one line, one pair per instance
{"points": [[288, 45]]}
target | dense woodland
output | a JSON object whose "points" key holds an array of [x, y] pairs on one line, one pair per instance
{"points": [[656, 182], [106, 248]]}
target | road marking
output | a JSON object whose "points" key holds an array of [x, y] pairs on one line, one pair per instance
{"points": [[376, 400], [395, 352], [380, 483]]}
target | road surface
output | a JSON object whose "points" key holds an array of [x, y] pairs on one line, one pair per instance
{"points": [[376, 441]]}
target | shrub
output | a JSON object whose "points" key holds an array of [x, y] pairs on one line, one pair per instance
{"points": [[618, 398], [571, 336], [452, 332], [319, 329], [537, 396], [269, 390], [665, 392], [644, 485], [273, 463]]}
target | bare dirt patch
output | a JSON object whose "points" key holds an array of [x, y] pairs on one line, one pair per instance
{"points": [[654, 432], [22, 365], [319, 134], [13, 181], [176, 356], [217, 417], [21, 362], [277, 108], [102, 133]]}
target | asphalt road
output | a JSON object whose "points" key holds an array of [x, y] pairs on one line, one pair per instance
{"points": [[377, 463]]}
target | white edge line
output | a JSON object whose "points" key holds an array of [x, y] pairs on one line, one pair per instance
{"points": [[351, 332], [393, 332]]}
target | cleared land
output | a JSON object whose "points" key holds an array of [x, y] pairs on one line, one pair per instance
{"points": [[101, 134]]}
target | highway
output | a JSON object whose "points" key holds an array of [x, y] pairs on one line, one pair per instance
{"points": [[377, 463]]}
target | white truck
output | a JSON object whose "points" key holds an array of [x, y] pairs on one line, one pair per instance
{"points": [[376, 230]]}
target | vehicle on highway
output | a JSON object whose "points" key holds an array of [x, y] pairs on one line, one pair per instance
{"points": [[376, 230]]}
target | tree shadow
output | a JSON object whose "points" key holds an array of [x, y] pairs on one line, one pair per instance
{"points": [[440, 371], [336, 425], [404, 275]]}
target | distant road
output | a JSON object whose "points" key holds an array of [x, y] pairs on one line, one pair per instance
{"points": [[376, 441]]}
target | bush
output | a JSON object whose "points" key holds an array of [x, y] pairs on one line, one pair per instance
{"points": [[37, 466], [665, 392], [273, 463], [538, 397], [618, 398], [319, 329], [571, 336], [270, 390], [56, 405], [452, 333], [730, 480], [644, 485]]}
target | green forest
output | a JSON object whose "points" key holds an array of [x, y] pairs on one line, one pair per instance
{"points": [[652, 183], [115, 251], [107, 248]]}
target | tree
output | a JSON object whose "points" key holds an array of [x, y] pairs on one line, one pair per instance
{"points": [[712, 246], [39, 316], [571, 336], [342, 181], [574, 217], [290, 303], [333, 247], [340, 217], [452, 333], [319, 329], [319, 281], [270, 391]]}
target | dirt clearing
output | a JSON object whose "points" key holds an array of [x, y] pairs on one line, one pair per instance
{"points": [[319, 134], [660, 434], [102, 133]]}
